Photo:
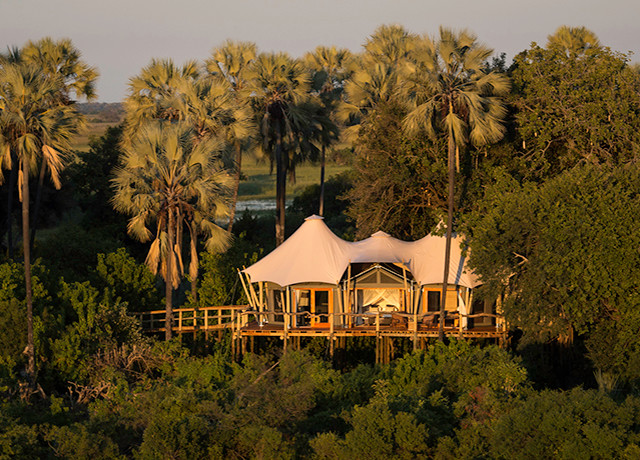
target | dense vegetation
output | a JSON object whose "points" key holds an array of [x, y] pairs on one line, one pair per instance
{"points": [[536, 162]]}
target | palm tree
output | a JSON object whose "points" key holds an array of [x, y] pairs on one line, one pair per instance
{"points": [[206, 103], [61, 60], [33, 129], [279, 89], [232, 61], [375, 75], [330, 69], [390, 44], [153, 93], [452, 94], [171, 180], [573, 41]]}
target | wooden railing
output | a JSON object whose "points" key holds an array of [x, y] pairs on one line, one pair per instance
{"points": [[236, 317], [193, 319]]}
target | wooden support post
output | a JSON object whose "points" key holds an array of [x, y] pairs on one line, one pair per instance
{"points": [[415, 321], [347, 305], [404, 294], [244, 287], [287, 318], [233, 337]]}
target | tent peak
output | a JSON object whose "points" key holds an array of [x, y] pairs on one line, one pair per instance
{"points": [[380, 234], [314, 217]]}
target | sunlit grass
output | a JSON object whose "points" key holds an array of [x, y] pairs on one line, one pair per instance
{"points": [[93, 131], [260, 185]]}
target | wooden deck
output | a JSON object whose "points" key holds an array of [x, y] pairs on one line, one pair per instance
{"points": [[243, 322]]}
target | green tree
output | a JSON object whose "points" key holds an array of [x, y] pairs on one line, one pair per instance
{"points": [[399, 180], [232, 61], [169, 180], [573, 41], [279, 88], [576, 102], [451, 93], [154, 93], [58, 59], [206, 103], [562, 255], [33, 129], [330, 70], [375, 76]]}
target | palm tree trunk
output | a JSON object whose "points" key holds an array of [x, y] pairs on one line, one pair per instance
{"points": [[447, 253], [236, 186], [168, 279], [322, 164], [13, 178], [31, 364], [193, 267], [281, 190], [36, 210]]}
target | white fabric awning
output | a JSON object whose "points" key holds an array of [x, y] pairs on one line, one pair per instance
{"points": [[315, 254]]}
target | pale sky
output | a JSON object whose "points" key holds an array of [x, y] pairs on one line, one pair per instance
{"points": [[119, 37]]}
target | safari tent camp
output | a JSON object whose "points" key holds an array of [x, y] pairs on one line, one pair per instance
{"points": [[316, 281]]}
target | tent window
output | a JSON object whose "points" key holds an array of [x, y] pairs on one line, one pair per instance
{"points": [[433, 300]]}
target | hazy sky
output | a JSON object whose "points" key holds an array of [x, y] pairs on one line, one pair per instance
{"points": [[119, 37]]}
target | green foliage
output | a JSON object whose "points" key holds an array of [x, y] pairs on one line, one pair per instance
{"points": [[90, 176], [70, 249], [98, 328], [335, 205], [567, 425], [219, 281], [423, 397], [171, 436], [13, 321], [125, 280], [19, 441], [563, 254], [77, 441], [573, 108], [397, 188]]}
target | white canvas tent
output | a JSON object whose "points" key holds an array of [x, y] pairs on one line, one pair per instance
{"points": [[315, 254]]}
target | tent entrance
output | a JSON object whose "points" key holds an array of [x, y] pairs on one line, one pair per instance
{"points": [[318, 303]]}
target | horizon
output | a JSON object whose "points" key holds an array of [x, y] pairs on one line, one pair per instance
{"points": [[120, 38]]}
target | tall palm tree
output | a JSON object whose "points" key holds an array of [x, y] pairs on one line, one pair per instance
{"points": [[391, 44], [279, 88], [171, 181], [59, 59], [232, 61], [33, 129], [573, 41], [375, 75], [451, 94], [153, 93], [206, 103], [330, 69]]}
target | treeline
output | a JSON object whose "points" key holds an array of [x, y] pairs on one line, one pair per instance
{"points": [[154, 400], [534, 161]]}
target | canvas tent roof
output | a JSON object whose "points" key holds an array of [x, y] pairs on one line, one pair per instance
{"points": [[315, 254]]}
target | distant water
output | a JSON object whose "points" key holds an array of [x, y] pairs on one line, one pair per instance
{"points": [[257, 205]]}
